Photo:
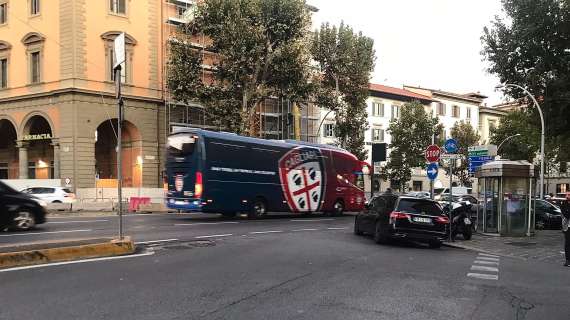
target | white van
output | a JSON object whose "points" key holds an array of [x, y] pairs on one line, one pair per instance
{"points": [[457, 191]]}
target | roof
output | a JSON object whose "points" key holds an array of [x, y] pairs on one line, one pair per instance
{"points": [[398, 92], [471, 97]]}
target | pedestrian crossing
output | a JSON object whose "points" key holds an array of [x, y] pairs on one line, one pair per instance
{"points": [[485, 267]]}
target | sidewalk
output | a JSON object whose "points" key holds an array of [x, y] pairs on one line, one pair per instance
{"points": [[546, 245]]}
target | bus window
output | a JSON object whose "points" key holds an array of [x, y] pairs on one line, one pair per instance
{"points": [[181, 145]]}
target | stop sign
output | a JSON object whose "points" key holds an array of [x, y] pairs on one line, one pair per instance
{"points": [[432, 153]]}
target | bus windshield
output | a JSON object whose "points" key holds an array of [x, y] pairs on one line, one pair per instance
{"points": [[181, 145]]}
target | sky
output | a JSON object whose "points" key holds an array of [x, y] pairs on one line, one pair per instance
{"points": [[429, 43]]}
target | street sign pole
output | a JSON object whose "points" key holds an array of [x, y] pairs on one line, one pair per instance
{"points": [[119, 57], [431, 183], [451, 165]]}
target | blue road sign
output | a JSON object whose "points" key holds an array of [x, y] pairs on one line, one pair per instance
{"points": [[450, 146], [432, 170], [480, 158]]}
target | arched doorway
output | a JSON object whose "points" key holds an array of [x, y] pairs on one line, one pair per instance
{"points": [[106, 157], [8, 150], [37, 135]]}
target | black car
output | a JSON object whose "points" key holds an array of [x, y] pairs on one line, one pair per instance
{"points": [[547, 215], [19, 210], [391, 216]]}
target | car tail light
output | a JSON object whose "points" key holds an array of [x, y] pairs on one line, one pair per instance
{"points": [[442, 219], [398, 215], [198, 187]]}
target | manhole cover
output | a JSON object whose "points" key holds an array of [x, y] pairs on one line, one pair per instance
{"points": [[185, 245], [521, 244]]}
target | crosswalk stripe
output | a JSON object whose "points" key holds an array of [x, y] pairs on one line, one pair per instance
{"points": [[492, 263], [488, 259], [483, 276], [484, 268], [488, 255]]}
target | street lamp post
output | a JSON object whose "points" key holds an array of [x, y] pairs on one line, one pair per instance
{"points": [[541, 135], [507, 139]]}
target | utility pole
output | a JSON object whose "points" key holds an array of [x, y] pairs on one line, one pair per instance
{"points": [[119, 55]]}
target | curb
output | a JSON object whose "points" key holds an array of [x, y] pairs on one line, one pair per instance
{"points": [[41, 256], [460, 246]]}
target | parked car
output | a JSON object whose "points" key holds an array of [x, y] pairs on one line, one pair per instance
{"points": [[391, 216], [19, 210], [547, 215], [419, 194], [52, 194]]}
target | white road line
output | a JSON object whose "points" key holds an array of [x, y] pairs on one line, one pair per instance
{"points": [[40, 233], [483, 276], [156, 241], [268, 231], [298, 230], [204, 223], [336, 228], [488, 259], [77, 261], [214, 236], [488, 255], [484, 268], [76, 221], [311, 220], [492, 263]]}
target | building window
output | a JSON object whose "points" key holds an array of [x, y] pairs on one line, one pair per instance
{"points": [[417, 185], [455, 111], [468, 113], [377, 135], [377, 109], [35, 67], [3, 170], [126, 66], [440, 109], [395, 112], [492, 125], [118, 6], [3, 13], [3, 73], [329, 130], [31, 170], [111, 53], [34, 7]]}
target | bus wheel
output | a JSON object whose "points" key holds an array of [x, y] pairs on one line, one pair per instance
{"points": [[338, 208], [258, 209]]}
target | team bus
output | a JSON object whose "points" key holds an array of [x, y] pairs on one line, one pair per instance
{"points": [[215, 172]]}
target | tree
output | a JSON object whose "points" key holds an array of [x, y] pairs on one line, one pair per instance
{"points": [[530, 48], [526, 145], [261, 50], [466, 136], [346, 60], [411, 134]]}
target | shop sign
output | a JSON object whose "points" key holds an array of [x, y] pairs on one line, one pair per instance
{"points": [[41, 136]]}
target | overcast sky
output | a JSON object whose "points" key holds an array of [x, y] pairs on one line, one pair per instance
{"points": [[428, 43]]}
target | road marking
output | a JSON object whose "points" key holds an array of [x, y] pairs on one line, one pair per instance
{"points": [[483, 276], [493, 263], [488, 255], [484, 268], [297, 230], [77, 261], [76, 221], [204, 223], [156, 241], [268, 231], [40, 233], [488, 259], [311, 220], [214, 236], [336, 228]]}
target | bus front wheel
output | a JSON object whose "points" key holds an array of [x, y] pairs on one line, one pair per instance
{"points": [[258, 209]]}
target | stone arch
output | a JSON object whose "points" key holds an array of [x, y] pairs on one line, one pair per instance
{"points": [[25, 124], [106, 156], [33, 37], [5, 45], [9, 165], [37, 154]]}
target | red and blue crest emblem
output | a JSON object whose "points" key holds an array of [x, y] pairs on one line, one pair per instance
{"points": [[302, 176]]}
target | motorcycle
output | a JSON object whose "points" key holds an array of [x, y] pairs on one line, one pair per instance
{"points": [[460, 218]]}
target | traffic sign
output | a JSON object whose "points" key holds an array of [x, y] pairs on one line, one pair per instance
{"points": [[432, 170], [484, 150], [432, 153], [449, 156], [451, 146]]}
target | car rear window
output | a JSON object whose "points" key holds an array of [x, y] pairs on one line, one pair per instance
{"points": [[418, 206]]}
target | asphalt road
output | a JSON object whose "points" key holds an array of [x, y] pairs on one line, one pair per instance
{"points": [[279, 268]]}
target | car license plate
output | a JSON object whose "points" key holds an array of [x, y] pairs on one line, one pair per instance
{"points": [[423, 220], [467, 221]]}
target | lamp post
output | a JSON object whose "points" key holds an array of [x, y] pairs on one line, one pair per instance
{"points": [[541, 135], [507, 139]]}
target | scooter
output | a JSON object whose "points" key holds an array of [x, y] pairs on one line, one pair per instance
{"points": [[460, 219]]}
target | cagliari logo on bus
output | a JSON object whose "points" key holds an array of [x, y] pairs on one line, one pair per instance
{"points": [[179, 182], [301, 172]]}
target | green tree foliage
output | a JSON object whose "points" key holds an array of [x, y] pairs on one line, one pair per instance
{"points": [[466, 137], [530, 48], [262, 50], [411, 134], [523, 147], [346, 60]]}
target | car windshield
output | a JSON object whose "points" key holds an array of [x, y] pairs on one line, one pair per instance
{"points": [[418, 206], [181, 145]]}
